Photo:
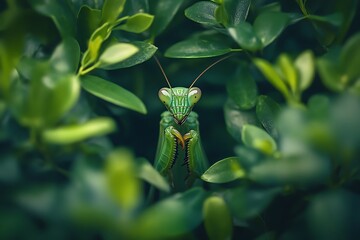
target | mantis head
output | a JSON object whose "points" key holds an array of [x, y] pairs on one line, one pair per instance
{"points": [[180, 100]]}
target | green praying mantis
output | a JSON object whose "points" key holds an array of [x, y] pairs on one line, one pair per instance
{"points": [[179, 127]]}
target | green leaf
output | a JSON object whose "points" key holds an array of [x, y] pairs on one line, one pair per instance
{"points": [[330, 71], [95, 42], [305, 65], [242, 88], [88, 21], [171, 217], [288, 71], [112, 93], [123, 184], [60, 12], [116, 53], [164, 11], [204, 44], [147, 172], [66, 56], [235, 119], [217, 219], [146, 51], [225, 170], [48, 98], [269, 25], [257, 138], [246, 202], [79, 132], [267, 111], [350, 58], [272, 76], [202, 12], [236, 10], [302, 169], [245, 36], [137, 23], [111, 10]]}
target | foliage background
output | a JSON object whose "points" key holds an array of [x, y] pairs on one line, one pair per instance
{"points": [[75, 160]]}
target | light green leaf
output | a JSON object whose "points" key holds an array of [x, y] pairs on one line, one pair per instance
{"points": [[146, 51], [116, 53], [225, 170], [217, 219], [202, 12], [112, 9], [124, 186], [112, 93], [242, 88], [79, 132], [257, 138], [269, 25], [204, 44], [288, 71], [147, 172], [137, 23], [171, 217], [305, 65], [245, 36], [272, 76]]}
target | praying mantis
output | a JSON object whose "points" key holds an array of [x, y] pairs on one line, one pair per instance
{"points": [[179, 127]]}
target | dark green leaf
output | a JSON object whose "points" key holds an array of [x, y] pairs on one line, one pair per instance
{"points": [[205, 44], [147, 172], [245, 36], [202, 12], [146, 51], [164, 11], [246, 202], [111, 10], [324, 206], [60, 12], [88, 20], [269, 25], [217, 219], [237, 11], [257, 138], [242, 88], [79, 132], [267, 111], [66, 56], [330, 71], [137, 23], [112, 93], [171, 217], [235, 119], [225, 170], [301, 169], [350, 59]]}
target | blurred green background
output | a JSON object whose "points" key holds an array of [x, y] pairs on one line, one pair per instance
{"points": [[279, 119]]}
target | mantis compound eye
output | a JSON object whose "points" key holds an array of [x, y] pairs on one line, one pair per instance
{"points": [[194, 95], [165, 95]]}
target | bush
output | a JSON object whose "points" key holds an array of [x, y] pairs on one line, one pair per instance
{"points": [[279, 119]]}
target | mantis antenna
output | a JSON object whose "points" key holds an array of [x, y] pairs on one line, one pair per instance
{"points": [[213, 64], [163, 72]]}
